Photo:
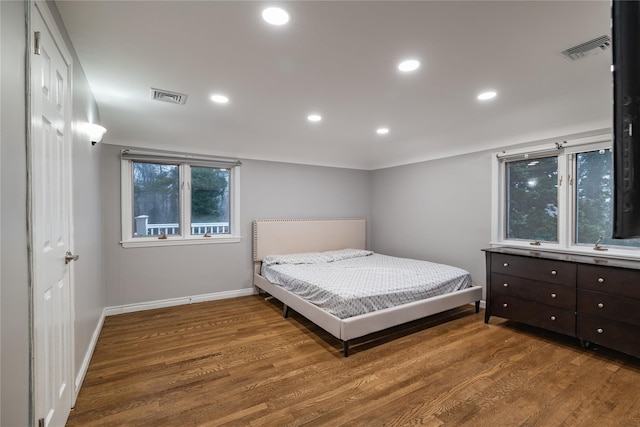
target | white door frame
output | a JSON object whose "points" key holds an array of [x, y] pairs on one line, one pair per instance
{"points": [[42, 8]]}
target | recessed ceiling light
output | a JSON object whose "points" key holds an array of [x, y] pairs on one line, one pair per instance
{"points": [[485, 96], [275, 15], [219, 98], [314, 117], [382, 131], [409, 65]]}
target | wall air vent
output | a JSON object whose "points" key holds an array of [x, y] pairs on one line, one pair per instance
{"points": [[166, 96], [589, 48]]}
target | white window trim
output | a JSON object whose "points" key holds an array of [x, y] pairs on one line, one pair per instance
{"points": [[566, 200], [128, 241]]}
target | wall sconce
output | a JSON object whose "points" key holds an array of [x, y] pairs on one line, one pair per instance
{"points": [[96, 132]]}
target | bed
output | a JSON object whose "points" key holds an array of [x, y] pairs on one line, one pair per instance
{"points": [[283, 248]]}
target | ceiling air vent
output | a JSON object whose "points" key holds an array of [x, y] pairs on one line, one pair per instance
{"points": [[166, 96], [589, 48]]}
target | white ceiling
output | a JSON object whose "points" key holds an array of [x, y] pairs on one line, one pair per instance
{"points": [[339, 58]]}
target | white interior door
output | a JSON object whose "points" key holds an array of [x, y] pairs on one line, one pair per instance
{"points": [[50, 220]]}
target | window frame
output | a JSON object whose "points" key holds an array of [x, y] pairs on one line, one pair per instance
{"points": [[184, 162], [567, 200]]}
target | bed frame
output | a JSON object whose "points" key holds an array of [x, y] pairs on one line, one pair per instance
{"points": [[284, 236]]}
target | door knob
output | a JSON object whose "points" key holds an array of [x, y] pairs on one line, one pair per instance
{"points": [[68, 257]]}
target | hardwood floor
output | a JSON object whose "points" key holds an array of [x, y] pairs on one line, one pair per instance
{"points": [[237, 362]]}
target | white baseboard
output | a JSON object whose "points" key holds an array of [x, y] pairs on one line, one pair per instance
{"points": [[87, 358], [130, 308]]}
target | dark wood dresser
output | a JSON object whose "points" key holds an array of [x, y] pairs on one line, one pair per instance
{"points": [[595, 299]]}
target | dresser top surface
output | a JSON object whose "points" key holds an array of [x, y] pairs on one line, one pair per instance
{"points": [[567, 257]]}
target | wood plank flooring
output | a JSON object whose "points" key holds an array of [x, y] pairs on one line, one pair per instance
{"points": [[237, 362]]}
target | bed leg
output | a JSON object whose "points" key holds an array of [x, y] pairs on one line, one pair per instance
{"points": [[345, 348], [285, 311], [477, 306]]}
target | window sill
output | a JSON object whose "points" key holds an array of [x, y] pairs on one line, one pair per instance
{"points": [[145, 242], [630, 254]]}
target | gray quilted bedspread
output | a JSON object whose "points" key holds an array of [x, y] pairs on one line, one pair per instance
{"points": [[364, 282]]}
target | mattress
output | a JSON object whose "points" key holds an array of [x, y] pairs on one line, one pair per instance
{"points": [[352, 282]]}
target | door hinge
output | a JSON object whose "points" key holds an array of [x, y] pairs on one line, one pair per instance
{"points": [[41, 422], [36, 45]]}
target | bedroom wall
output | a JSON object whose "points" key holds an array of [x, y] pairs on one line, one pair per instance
{"points": [[438, 210], [14, 390], [268, 190]]}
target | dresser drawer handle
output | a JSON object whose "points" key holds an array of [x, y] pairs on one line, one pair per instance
{"points": [[553, 317], [553, 295], [600, 280], [506, 264], [505, 305], [553, 272], [599, 330], [600, 305], [506, 285]]}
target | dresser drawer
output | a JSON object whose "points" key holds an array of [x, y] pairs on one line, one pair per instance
{"points": [[609, 333], [543, 270], [533, 313], [612, 307], [610, 280], [546, 293]]}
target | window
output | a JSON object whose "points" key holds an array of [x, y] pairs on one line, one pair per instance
{"points": [[594, 196], [209, 200], [594, 199], [558, 198], [532, 199], [156, 199], [171, 199]]}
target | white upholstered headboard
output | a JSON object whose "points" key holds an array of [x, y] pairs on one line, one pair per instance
{"points": [[288, 236]]}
